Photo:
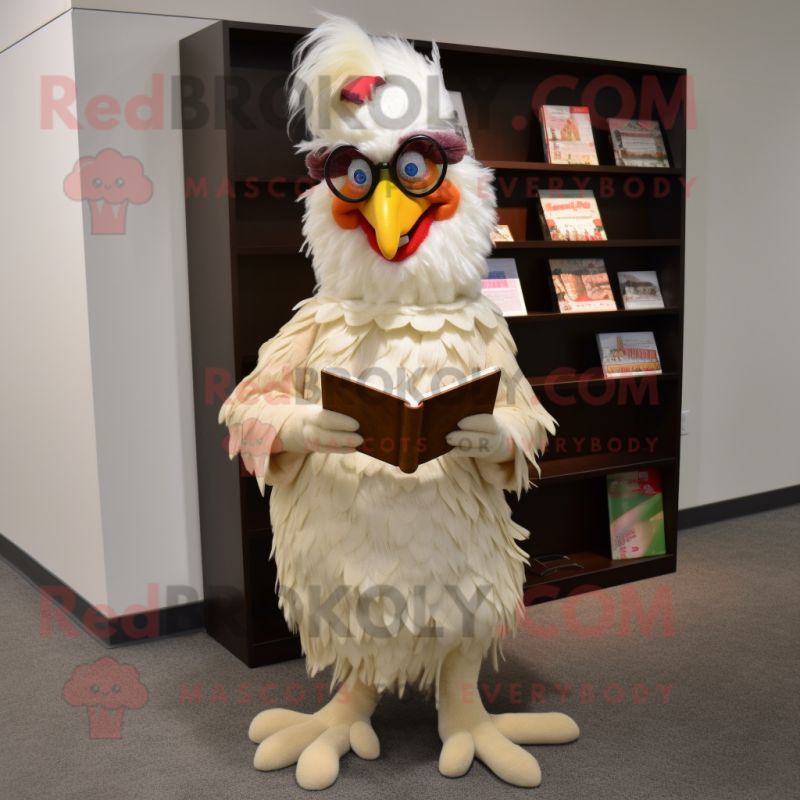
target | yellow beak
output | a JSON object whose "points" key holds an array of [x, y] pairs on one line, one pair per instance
{"points": [[392, 214]]}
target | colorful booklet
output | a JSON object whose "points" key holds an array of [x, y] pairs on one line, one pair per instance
{"points": [[581, 284], [461, 115], [628, 354], [636, 514], [567, 135], [640, 290], [501, 233], [637, 143], [407, 431], [570, 215], [503, 288]]}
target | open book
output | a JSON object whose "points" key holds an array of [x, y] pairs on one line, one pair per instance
{"points": [[407, 431]]}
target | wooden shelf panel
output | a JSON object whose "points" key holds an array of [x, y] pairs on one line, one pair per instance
{"points": [[540, 381], [576, 467], [273, 651], [560, 469], [263, 177], [272, 250], [543, 316], [535, 244], [517, 166], [579, 169], [293, 249], [598, 570]]}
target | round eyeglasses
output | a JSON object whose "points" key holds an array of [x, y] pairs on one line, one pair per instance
{"points": [[417, 169]]}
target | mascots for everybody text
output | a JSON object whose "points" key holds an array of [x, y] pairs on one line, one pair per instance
{"points": [[421, 573]]}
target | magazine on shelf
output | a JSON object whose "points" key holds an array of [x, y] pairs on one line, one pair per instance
{"points": [[628, 354], [570, 215], [581, 284], [636, 514], [461, 115], [567, 135], [640, 290], [503, 288], [637, 143], [501, 233]]}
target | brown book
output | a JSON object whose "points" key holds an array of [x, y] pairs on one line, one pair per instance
{"points": [[404, 431]]}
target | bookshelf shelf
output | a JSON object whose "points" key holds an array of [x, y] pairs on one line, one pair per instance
{"points": [[580, 169], [269, 250], [552, 316], [246, 272], [275, 178], [598, 571], [566, 469], [611, 244], [569, 381]]}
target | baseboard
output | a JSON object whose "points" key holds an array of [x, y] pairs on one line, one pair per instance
{"points": [[159, 623], [738, 507]]}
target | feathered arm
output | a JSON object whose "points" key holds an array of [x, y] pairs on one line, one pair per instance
{"points": [[270, 420], [517, 431]]}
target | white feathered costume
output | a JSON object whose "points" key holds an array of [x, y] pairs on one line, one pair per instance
{"points": [[429, 558]]}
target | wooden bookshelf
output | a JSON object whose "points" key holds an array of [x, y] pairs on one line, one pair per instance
{"points": [[246, 271]]}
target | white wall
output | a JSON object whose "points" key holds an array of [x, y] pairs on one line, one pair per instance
{"points": [[49, 493], [97, 474], [139, 318], [19, 19], [742, 276]]}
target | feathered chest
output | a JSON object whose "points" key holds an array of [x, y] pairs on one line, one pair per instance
{"points": [[401, 347]]}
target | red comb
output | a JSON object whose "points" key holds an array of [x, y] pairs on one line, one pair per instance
{"points": [[361, 89]]}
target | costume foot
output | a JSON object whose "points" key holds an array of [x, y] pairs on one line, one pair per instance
{"points": [[479, 738], [468, 731], [316, 742], [547, 728]]}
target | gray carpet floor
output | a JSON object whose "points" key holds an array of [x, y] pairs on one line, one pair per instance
{"points": [[729, 729]]}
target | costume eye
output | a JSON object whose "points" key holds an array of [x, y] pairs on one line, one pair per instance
{"points": [[349, 174], [119, 183], [359, 176], [97, 183], [412, 169]]}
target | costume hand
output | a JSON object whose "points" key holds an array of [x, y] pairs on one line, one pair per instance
{"points": [[315, 429], [482, 436]]}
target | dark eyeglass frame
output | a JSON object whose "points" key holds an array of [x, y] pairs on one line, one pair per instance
{"points": [[390, 165]]}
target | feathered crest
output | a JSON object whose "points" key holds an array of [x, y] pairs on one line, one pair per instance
{"points": [[340, 51]]}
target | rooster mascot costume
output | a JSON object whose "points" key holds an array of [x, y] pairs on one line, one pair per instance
{"points": [[419, 575]]}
